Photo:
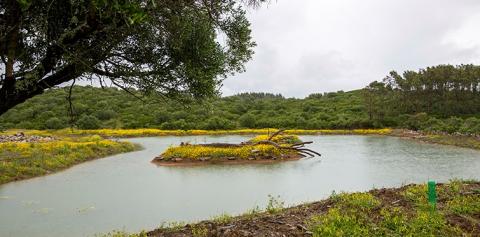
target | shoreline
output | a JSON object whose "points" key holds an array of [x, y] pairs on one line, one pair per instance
{"points": [[402, 211], [464, 141], [20, 160], [222, 161]]}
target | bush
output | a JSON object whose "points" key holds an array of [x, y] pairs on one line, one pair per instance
{"points": [[434, 125], [247, 121], [29, 125], [88, 122], [453, 124], [417, 121], [54, 123], [218, 123], [105, 114], [470, 126]]}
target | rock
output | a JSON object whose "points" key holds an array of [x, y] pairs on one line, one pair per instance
{"points": [[21, 137], [159, 158], [177, 159], [205, 158], [231, 158], [251, 158], [255, 151], [246, 233]]}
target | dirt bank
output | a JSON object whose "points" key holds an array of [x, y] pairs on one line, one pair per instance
{"points": [[404, 204]]}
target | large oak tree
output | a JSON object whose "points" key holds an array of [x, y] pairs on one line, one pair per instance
{"points": [[170, 47]]}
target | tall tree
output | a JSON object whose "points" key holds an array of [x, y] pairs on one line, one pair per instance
{"points": [[169, 47], [442, 90]]}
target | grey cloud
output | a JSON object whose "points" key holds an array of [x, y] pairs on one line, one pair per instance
{"points": [[309, 46]]}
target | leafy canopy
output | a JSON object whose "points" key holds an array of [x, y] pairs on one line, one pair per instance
{"points": [[169, 47]]}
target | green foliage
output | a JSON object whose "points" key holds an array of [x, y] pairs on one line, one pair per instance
{"points": [[464, 205], [105, 114], [436, 99], [88, 122], [441, 99], [54, 123], [118, 109], [275, 204], [361, 201], [121, 233], [222, 219], [247, 121], [362, 214], [199, 231], [336, 223], [173, 49]]}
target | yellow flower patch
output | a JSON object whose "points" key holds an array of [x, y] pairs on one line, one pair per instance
{"points": [[19, 160], [243, 152]]}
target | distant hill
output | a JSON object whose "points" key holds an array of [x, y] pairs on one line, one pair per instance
{"points": [[113, 108]]}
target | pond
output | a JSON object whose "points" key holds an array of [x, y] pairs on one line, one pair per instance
{"points": [[127, 192]]}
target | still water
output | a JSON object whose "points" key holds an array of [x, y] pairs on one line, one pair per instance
{"points": [[127, 192]]}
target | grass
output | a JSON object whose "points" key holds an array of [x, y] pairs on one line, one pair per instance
{"points": [[19, 160], [461, 141], [121, 233], [158, 132], [222, 219], [363, 214], [274, 205]]}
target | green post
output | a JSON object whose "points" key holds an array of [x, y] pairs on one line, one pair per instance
{"points": [[432, 194]]}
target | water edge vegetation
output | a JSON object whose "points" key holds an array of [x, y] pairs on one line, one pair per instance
{"points": [[22, 160]]}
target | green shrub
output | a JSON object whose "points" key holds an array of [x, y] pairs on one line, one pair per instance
{"points": [[247, 121], [470, 126], [105, 114], [416, 121], [88, 122], [54, 123]]}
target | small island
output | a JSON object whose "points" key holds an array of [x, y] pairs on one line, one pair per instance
{"points": [[260, 149]]}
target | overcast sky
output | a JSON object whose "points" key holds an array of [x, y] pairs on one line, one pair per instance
{"points": [[310, 46]]}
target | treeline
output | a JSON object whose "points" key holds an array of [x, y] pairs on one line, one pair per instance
{"points": [[442, 98], [113, 108]]}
